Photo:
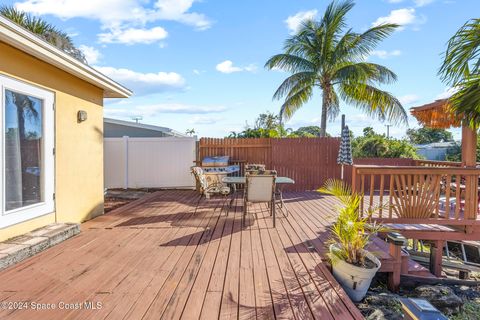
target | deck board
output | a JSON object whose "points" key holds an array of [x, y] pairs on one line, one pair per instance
{"points": [[173, 255]]}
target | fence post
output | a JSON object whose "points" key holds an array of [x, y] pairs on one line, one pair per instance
{"points": [[354, 179], [125, 147]]}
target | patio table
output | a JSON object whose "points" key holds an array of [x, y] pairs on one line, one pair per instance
{"points": [[279, 182]]}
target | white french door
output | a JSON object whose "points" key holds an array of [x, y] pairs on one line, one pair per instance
{"points": [[27, 159]]}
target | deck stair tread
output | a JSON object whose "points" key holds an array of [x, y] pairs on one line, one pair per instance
{"points": [[380, 248]]}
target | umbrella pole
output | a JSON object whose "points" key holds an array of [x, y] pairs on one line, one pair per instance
{"points": [[341, 173]]}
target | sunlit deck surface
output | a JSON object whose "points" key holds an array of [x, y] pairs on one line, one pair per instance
{"points": [[173, 255]]}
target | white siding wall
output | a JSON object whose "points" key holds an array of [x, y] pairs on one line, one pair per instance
{"points": [[149, 162]]}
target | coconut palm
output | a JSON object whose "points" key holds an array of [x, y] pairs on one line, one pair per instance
{"points": [[44, 30], [461, 70], [323, 55]]}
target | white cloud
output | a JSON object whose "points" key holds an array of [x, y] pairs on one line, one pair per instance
{"points": [[294, 22], [177, 10], [421, 3], [145, 83], [153, 110], [119, 14], [91, 54], [132, 35], [447, 93], [402, 17], [408, 99], [228, 67], [205, 120], [383, 54]]}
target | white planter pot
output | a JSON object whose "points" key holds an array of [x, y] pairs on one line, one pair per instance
{"points": [[354, 280]]}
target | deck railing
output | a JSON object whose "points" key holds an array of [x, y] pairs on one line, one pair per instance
{"points": [[436, 163], [419, 194]]}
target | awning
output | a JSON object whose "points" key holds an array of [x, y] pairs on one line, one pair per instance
{"points": [[436, 115]]}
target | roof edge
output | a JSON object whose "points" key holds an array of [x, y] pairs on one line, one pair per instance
{"points": [[144, 126], [24, 40]]}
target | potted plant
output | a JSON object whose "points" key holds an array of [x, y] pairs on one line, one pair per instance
{"points": [[352, 265]]}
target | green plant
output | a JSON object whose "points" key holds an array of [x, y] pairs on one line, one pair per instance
{"points": [[461, 70], [325, 55], [374, 145], [352, 230], [44, 30]]}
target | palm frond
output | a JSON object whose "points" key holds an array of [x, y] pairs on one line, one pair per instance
{"points": [[364, 72], [294, 83], [295, 101], [374, 102], [360, 45], [44, 30], [462, 56], [466, 101], [290, 63]]}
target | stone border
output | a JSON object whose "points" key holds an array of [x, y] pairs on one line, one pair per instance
{"points": [[22, 247]]}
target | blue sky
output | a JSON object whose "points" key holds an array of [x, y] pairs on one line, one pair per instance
{"points": [[199, 64]]}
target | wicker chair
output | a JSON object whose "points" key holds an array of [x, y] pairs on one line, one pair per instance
{"points": [[208, 189], [260, 188]]}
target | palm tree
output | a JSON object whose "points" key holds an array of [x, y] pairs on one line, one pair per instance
{"points": [[322, 55], [44, 30], [461, 70]]}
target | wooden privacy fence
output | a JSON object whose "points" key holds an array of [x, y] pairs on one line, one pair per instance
{"points": [[309, 161]]}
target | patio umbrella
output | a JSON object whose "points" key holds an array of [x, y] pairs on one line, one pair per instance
{"points": [[345, 151]]}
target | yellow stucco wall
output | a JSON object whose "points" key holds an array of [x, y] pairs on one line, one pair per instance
{"points": [[79, 146]]}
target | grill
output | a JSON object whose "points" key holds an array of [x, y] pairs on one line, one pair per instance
{"points": [[216, 168]]}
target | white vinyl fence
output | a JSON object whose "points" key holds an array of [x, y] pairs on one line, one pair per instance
{"points": [[149, 162]]}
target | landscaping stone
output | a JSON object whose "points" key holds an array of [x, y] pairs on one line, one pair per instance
{"points": [[381, 306], [442, 297], [19, 248]]}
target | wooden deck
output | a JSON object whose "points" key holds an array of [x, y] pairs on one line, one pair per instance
{"points": [[172, 255]]}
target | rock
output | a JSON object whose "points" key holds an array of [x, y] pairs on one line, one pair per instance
{"points": [[442, 297], [381, 306], [384, 314]]}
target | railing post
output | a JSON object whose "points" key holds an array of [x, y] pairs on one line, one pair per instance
{"points": [[396, 241], [354, 178]]}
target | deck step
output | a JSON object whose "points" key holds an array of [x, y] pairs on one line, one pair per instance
{"points": [[22, 247], [416, 269], [381, 249]]}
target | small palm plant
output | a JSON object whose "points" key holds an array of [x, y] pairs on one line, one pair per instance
{"points": [[352, 231]]}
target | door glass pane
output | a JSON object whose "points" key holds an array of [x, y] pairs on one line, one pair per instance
{"points": [[23, 150]]}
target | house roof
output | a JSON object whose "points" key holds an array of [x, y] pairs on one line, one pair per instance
{"points": [[166, 130], [436, 114], [24, 40]]}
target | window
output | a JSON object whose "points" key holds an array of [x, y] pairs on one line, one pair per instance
{"points": [[27, 160]]}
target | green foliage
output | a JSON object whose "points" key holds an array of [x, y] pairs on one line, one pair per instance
{"points": [[267, 125], [461, 70], [374, 145], [352, 230], [306, 132], [470, 311], [326, 55], [426, 135], [44, 30], [455, 153]]}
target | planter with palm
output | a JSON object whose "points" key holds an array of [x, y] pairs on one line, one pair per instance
{"points": [[323, 55]]}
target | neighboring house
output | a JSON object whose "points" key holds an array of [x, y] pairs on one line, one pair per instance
{"points": [[436, 150], [52, 127], [114, 128]]}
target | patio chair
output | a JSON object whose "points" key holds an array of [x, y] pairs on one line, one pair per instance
{"points": [[260, 188], [207, 189]]}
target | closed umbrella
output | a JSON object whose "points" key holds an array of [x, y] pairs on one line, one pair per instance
{"points": [[345, 151]]}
